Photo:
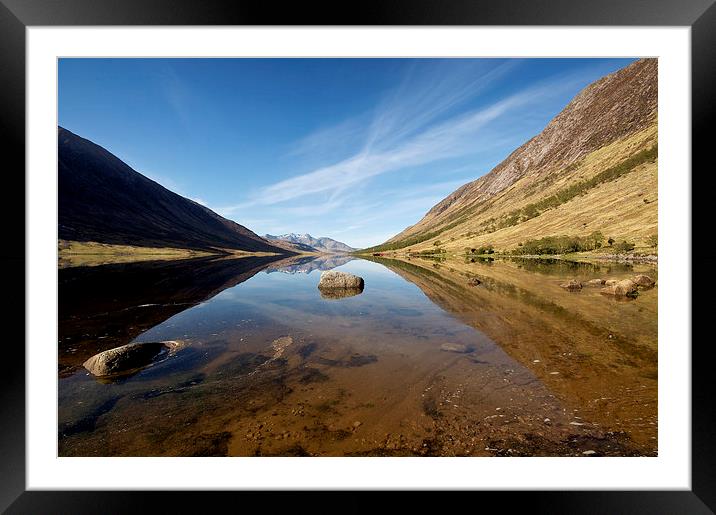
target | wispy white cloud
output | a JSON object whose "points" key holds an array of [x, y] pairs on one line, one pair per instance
{"points": [[424, 97], [425, 120], [407, 132], [448, 139], [330, 140]]}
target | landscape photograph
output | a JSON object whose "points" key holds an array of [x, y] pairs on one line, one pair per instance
{"points": [[369, 257]]}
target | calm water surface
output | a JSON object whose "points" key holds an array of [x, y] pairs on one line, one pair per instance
{"points": [[270, 367]]}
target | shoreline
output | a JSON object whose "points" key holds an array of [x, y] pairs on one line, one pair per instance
{"points": [[616, 258], [75, 253]]}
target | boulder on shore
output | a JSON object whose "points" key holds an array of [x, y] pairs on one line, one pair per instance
{"points": [[643, 280], [625, 288], [127, 358], [572, 285], [339, 280]]}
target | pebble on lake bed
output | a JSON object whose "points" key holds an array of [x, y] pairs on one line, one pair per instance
{"points": [[456, 347], [280, 344]]}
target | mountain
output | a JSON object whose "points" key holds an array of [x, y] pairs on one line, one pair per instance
{"points": [[102, 199], [318, 244], [290, 245], [592, 168]]}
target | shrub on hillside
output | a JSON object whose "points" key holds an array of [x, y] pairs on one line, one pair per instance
{"points": [[623, 247], [561, 244], [485, 249]]}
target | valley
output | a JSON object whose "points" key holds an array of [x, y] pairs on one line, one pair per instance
{"points": [[517, 317]]}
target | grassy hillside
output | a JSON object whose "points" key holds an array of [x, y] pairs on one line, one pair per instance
{"points": [[593, 169]]}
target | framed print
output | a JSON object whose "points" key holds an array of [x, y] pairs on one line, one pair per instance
{"points": [[423, 248]]}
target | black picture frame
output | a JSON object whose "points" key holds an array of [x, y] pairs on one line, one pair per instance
{"points": [[17, 15]]}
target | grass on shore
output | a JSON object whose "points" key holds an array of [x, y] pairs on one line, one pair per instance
{"points": [[91, 253], [602, 254]]}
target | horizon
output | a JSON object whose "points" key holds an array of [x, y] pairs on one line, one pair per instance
{"points": [[354, 150]]}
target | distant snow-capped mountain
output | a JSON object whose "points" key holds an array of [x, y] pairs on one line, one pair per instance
{"points": [[320, 244]]}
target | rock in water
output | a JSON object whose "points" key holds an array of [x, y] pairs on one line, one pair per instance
{"points": [[572, 285], [339, 280], [610, 282], [643, 281], [127, 358], [595, 282], [456, 347], [625, 288], [474, 281], [280, 344]]}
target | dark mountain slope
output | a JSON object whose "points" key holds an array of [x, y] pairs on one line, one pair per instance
{"points": [[102, 199]]}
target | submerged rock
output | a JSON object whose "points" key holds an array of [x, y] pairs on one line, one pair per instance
{"points": [[474, 281], [596, 282], [280, 344], [337, 280], [572, 285], [625, 288], [456, 347], [128, 358], [643, 280]]}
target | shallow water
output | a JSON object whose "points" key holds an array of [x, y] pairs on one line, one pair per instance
{"points": [[270, 367]]}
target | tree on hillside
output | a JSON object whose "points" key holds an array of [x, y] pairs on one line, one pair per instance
{"points": [[595, 240]]}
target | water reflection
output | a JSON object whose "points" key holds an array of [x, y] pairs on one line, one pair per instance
{"points": [[340, 293], [103, 307], [560, 266], [307, 264], [441, 358], [587, 348]]}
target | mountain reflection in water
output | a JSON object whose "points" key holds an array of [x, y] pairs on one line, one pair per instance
{"points": [[421, 363], [307, 264]]}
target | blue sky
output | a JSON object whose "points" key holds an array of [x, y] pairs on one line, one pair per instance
{"points": [[352, 149]]}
